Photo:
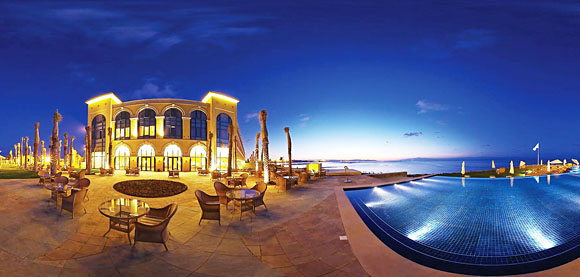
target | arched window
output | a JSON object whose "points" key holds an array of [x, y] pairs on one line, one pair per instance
{"points": [[222, 125], [98, 140], [198, 128], [122, 155], [172, 124], [123, 126], [172, 157], [146, 157], [198, 158], [147, 123]]}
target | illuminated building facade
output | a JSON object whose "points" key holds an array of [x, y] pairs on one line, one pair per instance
{"points": [[164, 134]]}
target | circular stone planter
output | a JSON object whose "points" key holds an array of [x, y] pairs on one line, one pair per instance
{"points": [[150, 188]]}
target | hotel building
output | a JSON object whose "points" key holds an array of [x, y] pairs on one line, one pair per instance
{"points": [[164, 134]]}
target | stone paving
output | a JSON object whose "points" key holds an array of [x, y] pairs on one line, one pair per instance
{"points": [[297, 236]]}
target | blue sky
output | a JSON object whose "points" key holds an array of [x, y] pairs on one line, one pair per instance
{"points": [[361, 79]]}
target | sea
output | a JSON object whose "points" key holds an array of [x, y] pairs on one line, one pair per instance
{"points": [[423, 165]]}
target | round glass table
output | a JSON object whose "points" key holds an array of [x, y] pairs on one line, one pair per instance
{"points": [[122, 213], [244, 197]]}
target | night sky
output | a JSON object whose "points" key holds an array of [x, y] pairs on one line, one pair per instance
{"points": [[361, 79]]}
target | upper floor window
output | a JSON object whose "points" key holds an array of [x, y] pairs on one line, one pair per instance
{"points": [[98, 134], [123, 126], [147, 123], [198, 128], [222, 125], [172, 124]]}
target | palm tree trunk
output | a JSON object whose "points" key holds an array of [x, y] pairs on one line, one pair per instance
{"points": [[65, 156], [58, 153], [209, 139], [26, 152], [88, 148], [70, 154], [36, 141], [287, 130], [111, 148], [20, 155], [230, 148], [265, 154], [15, 157], [42, 152], [257, 153], [54, 142]]}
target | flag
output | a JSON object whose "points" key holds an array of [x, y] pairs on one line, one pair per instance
{"points": [[536, 147]]}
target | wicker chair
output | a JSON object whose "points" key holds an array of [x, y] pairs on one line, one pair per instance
{"points": [[44, 177], [210, 206], [221, 190], [260, 187], [153, 226], [216, 175], [244, 179], [83, 183], [74, 201], [78, 175], [281, 183]]}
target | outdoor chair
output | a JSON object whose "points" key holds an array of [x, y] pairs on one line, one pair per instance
{"points": [[281, 183], [221, 190], [83, 183], [216, 175], [260, 187], [103, 171], [78, 175], [210, 206], [244, 179], [74, 201], [44, 177], [153, 226], [173, 174]]}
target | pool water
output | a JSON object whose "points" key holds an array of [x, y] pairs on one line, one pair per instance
{"points": [[477, 225]]}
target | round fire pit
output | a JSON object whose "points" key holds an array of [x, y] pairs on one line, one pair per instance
{"points": [[150, 188]]}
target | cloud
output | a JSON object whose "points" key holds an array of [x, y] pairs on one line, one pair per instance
{"points": [[425, 106], [251, 116], [159, 27], [150, 89], [412, 134], [79, 72], [450, 44]]}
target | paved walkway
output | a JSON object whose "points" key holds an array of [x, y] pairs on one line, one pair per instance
{"points": [[297, 236]]}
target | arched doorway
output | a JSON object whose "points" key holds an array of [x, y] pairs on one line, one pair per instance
{"points": [[222, 141], [122, 155], [98, 140], [198, 158], [146, 158], [172, 158]]}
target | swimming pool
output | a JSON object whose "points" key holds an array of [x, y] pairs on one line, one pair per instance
{"points": [[476, 225]]}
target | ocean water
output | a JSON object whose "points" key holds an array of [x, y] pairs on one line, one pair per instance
{"points": [[424, 166]]}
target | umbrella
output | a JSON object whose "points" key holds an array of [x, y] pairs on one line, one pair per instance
{"points": [[575, 161], [556, 162], [463, 168], [492, 164], [511, 167]]}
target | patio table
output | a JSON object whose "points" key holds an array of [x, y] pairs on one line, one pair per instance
{"points": [[58, 190], [122, 214], [245, 197]]}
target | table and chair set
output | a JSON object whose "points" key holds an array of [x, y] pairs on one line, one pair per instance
{"points": [[71, 196]]}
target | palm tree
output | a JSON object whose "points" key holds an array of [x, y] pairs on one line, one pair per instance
{"points": [[88, 148], [257, 153], [287, 130], [26, 153], [209, 139], [230, 148], [65, 156], [42, 152], [54, 142], [20, 155], [36, 140], [15, 154], [70, 158], [110, 148], [265, 153]]}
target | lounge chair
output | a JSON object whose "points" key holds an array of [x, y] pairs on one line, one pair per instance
{"points": [[153, 226], [260, 187], [221, 190], [210, 206], [74, 201]]}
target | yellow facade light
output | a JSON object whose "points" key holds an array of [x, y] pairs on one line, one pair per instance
{"points": [[211, 94], [109, 95]]}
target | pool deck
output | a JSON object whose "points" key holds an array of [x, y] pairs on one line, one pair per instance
{"points": [[297, 236]]}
